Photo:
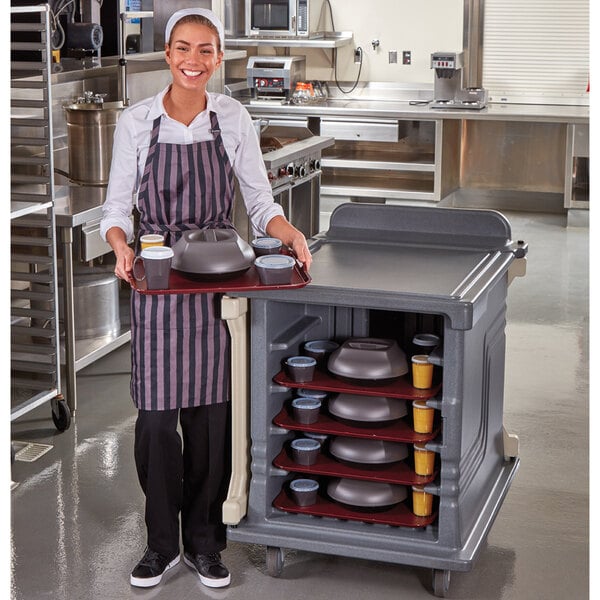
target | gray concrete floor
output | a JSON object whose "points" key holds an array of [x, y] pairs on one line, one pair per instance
{"points": [[77, 513]]}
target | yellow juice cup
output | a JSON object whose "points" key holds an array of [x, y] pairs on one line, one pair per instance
{"points": [[422, 417], [422, 501], [422, 371], [424, 460], [152, 239]]}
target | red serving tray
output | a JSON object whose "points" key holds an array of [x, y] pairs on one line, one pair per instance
{"points": [[399, 515], [249, 280], [396, 431], [400, 388], [398, 472]]}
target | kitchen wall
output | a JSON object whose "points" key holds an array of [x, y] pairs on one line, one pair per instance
{"points": [[419, 26]]}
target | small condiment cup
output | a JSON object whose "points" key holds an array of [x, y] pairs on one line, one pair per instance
{"points": [[320, 350], [304, 491], [424, 460], [306, 410], [275, 269], [266, 245], [422, 501], [425, 343], [300, 368], [305, 451], [320, 437], [422, 371], [316, 394], [152, 239], [422, 417]]}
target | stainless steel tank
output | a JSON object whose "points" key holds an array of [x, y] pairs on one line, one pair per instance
{"points": [[90, 130], [96, 303]]}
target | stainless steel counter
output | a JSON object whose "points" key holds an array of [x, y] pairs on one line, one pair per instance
{"points": [[75, 208], [538, 146], [402, 109], [76, 205]]}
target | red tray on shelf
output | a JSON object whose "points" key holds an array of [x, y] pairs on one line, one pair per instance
{"points": [[249, 280], [398, 472], [397, 431], [399, 515], [401, 388]]}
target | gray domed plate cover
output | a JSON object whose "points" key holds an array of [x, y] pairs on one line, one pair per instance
{"points": [[212, 253], [368, 452], [374, 494], [368, 358], [367, 409]]}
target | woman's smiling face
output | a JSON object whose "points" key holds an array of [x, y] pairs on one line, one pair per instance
{"points": [[193, 55]]}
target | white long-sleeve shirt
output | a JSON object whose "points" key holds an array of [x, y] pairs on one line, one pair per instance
{"points": [[130, 147]]}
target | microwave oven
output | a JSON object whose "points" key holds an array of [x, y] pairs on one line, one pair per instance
{"points": [[279, 18]]}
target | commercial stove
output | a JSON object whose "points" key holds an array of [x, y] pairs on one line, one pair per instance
{"points": [[386, 272], [292, 157]]}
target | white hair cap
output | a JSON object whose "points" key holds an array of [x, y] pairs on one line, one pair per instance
{"points": [[203, 12]]}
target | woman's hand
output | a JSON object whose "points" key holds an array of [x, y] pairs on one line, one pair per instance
{"points": [[279, 227], [124, 264], [116, 237], [300, 248]]}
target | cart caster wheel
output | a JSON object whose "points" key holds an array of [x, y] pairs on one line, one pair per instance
{"points": [[61, 414], [274, 561], [440, 582]]}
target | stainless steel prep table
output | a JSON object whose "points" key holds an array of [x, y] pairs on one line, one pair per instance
{"points": [[507, 156], [402, 109], [75, 207]]}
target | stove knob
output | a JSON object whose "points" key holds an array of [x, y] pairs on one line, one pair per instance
{"points": [[271, 175], [315, 164], [291, 169], [282, 171], [302, 171]]}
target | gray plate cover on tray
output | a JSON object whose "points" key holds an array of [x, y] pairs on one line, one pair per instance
{"points": [[370, 494], [368, 358], [367, 409], [368, 452], [212, 253]]}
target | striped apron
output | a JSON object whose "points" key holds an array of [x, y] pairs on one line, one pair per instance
{"points": [[180, 346]]}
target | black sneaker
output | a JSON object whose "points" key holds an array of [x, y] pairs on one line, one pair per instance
{"points": [[210, 569], [149, 571]]}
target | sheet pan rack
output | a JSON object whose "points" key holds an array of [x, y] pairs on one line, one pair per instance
{"points": [[35, 360]]}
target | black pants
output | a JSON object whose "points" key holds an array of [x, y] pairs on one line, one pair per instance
{"points": [[192, 480]]}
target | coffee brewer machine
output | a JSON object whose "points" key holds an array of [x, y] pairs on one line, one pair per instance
{"points": [[448, 91], [274, 78]]}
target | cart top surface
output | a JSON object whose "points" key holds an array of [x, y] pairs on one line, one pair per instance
{"points": [[436, 252], [377, 255], [447, 273]]}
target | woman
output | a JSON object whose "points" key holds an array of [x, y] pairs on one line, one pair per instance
{"points": [[178, 151]]}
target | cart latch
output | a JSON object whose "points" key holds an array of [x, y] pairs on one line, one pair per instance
{"points": [[519, 248], [511, 444]]}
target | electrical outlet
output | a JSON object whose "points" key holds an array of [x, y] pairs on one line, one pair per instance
{"points": [[358, 55], [392, 57], [406, 57]]}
